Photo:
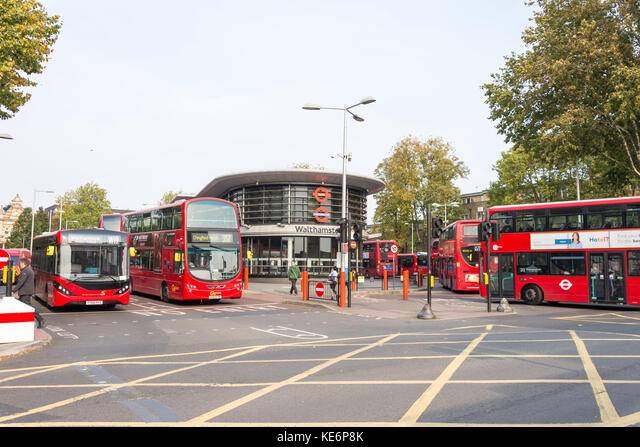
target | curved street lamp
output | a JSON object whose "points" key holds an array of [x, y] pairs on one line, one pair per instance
{"points": [[344, 156]]}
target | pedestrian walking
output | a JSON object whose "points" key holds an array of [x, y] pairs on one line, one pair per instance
{"points": [[294, 274], [333, 281], [25, 287]]}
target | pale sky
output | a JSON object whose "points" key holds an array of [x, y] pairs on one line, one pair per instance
{"points": [[172, 94]]}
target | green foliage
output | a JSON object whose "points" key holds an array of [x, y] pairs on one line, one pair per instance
{"points": [[27, 35], [524, 178], [416, 174], [21, 231], [574, 93], [169, 197], [82, 207]]}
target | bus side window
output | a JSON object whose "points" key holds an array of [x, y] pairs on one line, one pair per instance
{"points": [[177, 218]]}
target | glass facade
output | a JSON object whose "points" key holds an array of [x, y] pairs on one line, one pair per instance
{"points": [[272, 254], [293, 203]]}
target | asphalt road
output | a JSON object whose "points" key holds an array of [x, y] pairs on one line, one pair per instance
{"points": [[252, 362]]}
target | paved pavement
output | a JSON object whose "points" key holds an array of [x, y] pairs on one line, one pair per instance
{"points": [[262, 361]]}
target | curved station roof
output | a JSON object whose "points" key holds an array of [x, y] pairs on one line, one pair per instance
{"points": [[220, 185]]}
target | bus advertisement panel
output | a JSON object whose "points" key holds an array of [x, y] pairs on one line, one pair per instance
{"points": [[187, 250], [579, 252], [458, 256], [81, 267]]}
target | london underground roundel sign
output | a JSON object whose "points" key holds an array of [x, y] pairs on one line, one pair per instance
{"points": [[321, 214], [321, 194], [565, 284], [319, 289]]}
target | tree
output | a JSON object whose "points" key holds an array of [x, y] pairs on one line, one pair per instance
{"points": [[21, 232], [574, 93], [27, 35], [416, 174], [82, 207], [169, 197]]}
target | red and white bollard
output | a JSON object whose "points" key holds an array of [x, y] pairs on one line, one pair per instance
{"points": [[17, 321]]}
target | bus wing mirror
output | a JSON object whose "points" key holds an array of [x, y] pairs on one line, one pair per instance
{"points": [[132, 252], [51, 250]]}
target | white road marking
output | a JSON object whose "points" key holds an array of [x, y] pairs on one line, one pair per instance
{"points": [[288, 332]]}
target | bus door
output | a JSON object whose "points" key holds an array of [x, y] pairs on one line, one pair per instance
{"points": [[502, 277], [607, 278]]}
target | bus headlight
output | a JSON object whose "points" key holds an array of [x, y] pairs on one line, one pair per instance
{"points": [[61, 288], [122, 289]]}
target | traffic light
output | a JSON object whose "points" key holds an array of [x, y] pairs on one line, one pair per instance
{"points": [[488, 228], [357, 232], [437, 227]]}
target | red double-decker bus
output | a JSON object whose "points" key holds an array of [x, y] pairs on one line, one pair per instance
{"points": [[378, 256], [458, 256], [578, 252], [187, 250], [113, 222], [81, 267]]}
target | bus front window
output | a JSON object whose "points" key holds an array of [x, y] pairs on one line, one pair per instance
{"points": [[85, 261], [213, 263], [213, 255]]}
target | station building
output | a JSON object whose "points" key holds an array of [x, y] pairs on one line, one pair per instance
{"points": [[292, 215]]}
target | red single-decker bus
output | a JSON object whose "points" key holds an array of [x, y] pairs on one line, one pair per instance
{"points": [[81, 267]]}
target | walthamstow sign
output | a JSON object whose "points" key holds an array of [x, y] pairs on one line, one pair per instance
{"points": [[291, 230]]}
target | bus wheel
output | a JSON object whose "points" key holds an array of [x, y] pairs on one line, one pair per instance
{"points": [[532, 295], [164, 295]]}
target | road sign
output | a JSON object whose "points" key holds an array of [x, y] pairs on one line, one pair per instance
{"points": [[4, 258], [394, 249], [319, 289], [353, 245]]}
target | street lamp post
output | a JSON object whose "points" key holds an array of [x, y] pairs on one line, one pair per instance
{"points": [[33, 214], [345, 158], [452, 204], [412, 246]]}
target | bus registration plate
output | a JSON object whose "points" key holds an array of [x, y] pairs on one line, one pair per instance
{"points": [[93, 303]]}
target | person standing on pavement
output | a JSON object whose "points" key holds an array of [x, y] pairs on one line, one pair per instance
{"points": [[25, 287], [333, 281], [294, 274]]}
